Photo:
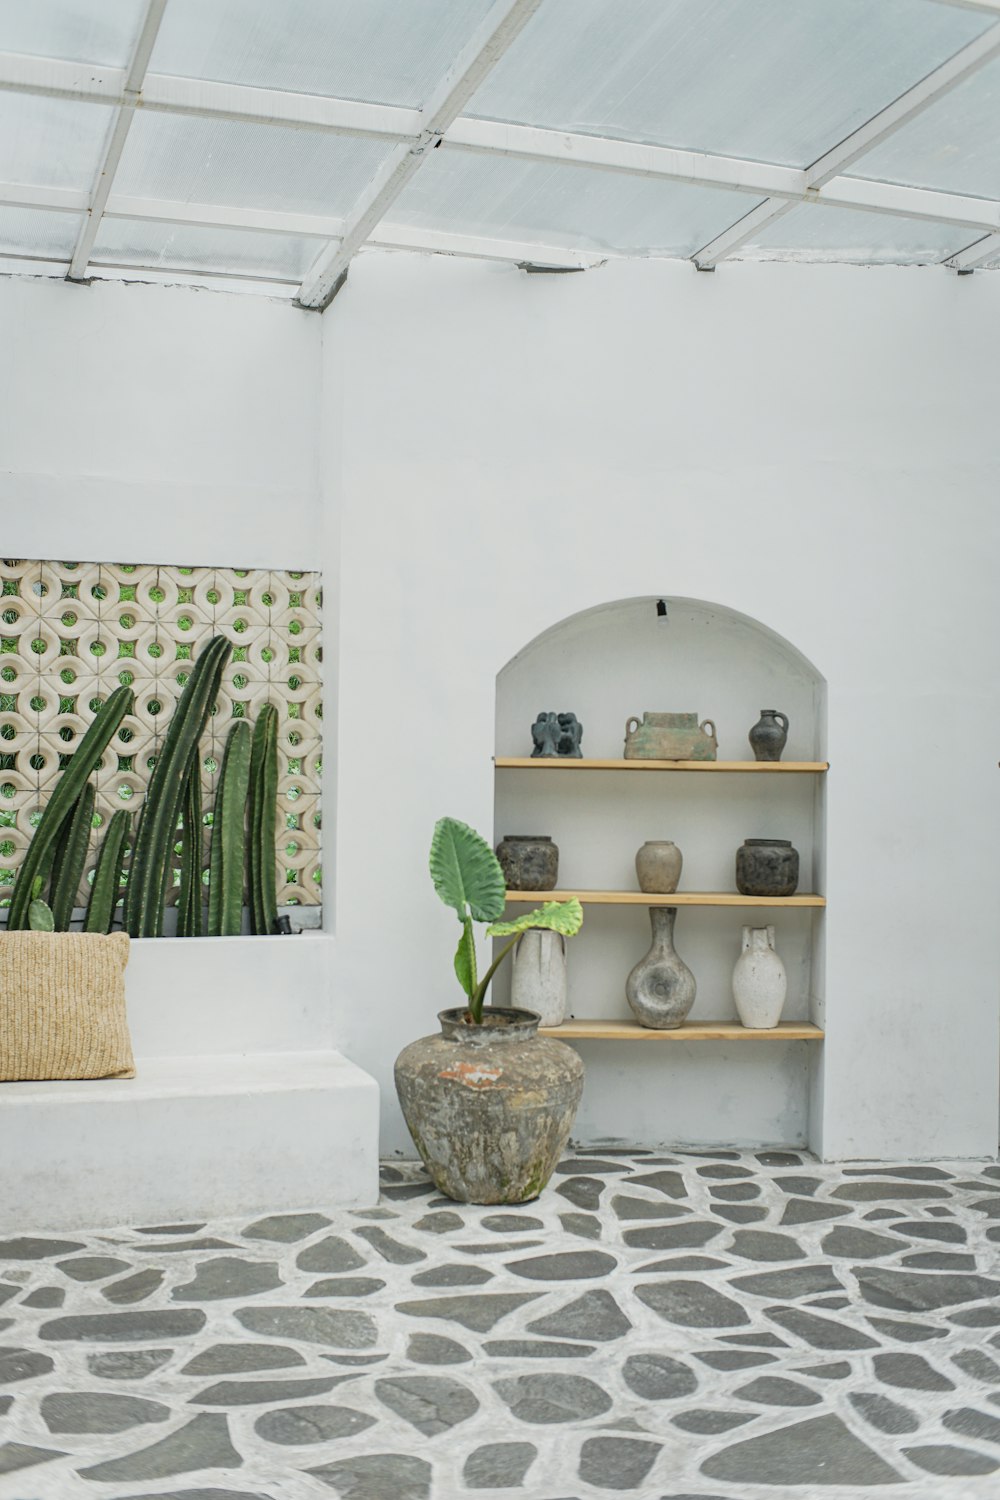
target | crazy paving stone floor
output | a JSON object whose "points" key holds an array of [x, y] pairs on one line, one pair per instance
{"points": [[696, 1326]]}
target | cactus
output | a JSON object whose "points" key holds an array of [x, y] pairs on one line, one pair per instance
{"points": [[107, 876], [150, 867], [67, 872], [39, 914], [225, 889], [189, 910], [263, 812], [65, 794]]}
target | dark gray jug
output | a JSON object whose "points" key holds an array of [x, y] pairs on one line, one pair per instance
{"points": [[768, 736]]}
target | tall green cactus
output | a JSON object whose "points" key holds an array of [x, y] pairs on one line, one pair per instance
{"points": [[82, 764], [107, 876], [189, 907], [67, 872], [225, 888], [263, 814], [150, 867]]}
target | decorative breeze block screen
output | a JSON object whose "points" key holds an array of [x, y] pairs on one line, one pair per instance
{"points": [[70, 633]]}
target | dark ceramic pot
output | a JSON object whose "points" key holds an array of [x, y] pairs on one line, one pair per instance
{"points": [[769, 735], [530, 861], [489, 1107], [767, 867]]}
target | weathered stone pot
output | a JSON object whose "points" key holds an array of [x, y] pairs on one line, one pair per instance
{"points": [[767, 867], [529, 861], [661, 988], [658, 866], [489, 1107]]}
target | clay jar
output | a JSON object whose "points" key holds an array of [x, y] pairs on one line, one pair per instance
{"points": [[539, 981], [658, 866], [767, 867], [661, 988], [769, 735], [489, 1107], [759, 980], [530, 861]]}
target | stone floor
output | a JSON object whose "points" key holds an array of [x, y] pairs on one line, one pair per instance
{"points": [[712, 1326]]}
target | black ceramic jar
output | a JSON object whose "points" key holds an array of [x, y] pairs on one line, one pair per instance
{"points": [[767, 867], [530, 861]]}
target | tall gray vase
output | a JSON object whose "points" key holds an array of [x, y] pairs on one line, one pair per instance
{"points": [[661, 987]]}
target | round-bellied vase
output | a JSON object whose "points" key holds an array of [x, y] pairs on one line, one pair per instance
{"points": [[759, 980], [530, 861], [661, 988], [658, 866], [489, 1107], [769, 735], [767, 867]]}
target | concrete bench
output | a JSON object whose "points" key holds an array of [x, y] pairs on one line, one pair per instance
{"points": [[240, 1105]]}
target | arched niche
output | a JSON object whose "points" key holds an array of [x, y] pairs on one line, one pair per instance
{"points": [[607, 664]]}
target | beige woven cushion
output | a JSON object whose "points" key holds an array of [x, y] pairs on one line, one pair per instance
{"points": [[62, 1006]]}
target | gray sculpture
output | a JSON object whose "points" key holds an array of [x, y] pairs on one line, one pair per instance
{"points": [[557, 734]]}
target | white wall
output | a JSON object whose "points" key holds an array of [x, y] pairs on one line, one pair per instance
{"points": [[157, 424], [166, 424], [813, 446]]}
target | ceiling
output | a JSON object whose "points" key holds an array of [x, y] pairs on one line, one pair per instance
{"points": [[261, 144]]}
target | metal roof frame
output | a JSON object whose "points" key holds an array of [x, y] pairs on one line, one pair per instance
{"points": [[414, 133]]}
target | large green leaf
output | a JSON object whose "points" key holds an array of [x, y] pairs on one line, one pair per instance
{"points": [[560, 916], [465, 871], [465, 959]]}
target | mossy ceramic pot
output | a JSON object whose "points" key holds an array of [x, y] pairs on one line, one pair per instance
{"points": [[489, 1107], [529, 861], [767, 867]]}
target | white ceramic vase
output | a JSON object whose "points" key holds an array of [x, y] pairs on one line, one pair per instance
{"points": [[759, 981], [538, 982]]}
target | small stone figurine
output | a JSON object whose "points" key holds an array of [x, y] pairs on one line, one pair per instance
{"points": [[557, 734]]}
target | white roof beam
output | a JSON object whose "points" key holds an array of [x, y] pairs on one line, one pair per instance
{"points": [[977, 254], [131, 87], [847, 192], [500, 27], [910, 104]]}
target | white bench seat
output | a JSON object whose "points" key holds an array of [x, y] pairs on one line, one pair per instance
{"points": [[219, 1135]]}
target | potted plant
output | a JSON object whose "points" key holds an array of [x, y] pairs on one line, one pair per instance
{"points": [[489, 1102]]}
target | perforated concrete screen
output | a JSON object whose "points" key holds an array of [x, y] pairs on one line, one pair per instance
{"points": [[70, 633]]}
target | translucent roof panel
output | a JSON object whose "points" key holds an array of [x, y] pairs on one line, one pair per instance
{"points": [[581, 207], [238, 164], [812, 232], [954, 145], [776, 80], [31, 232], [175, 247], [378, 50], [51, 142], [78, 30]]}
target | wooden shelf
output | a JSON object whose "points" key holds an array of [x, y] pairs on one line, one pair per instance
{"points": [[565, 763], [675, 898], [691, 1031]]}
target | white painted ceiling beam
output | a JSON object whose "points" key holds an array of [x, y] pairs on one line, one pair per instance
{"points": [[527, 142], [966, 61], [132, 85], [848, 192], [499, 28], [977, 254]]}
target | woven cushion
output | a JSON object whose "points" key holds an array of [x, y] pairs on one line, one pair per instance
{"points": [[62, 1006]]}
